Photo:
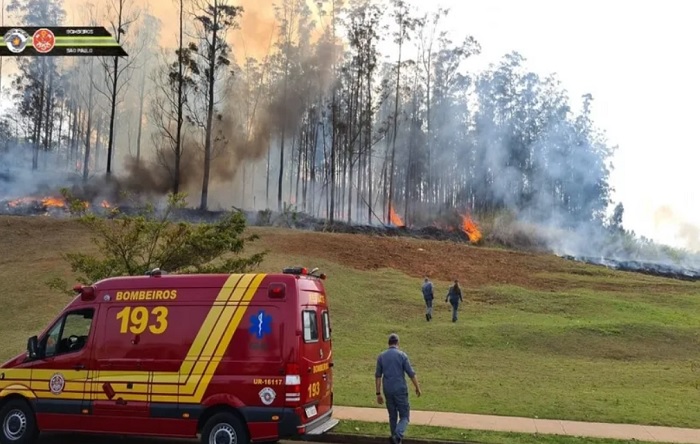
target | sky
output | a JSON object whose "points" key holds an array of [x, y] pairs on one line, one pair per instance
{"points": [[638, 61]]}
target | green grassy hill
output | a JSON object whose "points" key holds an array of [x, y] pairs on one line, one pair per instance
{"points": [[538, 336]]}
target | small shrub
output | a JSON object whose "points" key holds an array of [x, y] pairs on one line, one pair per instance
{"points": [[133, 244]]}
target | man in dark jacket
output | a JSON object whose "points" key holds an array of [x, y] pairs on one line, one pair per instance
{"points": [[392, 364], [454, 295], [428, 297]]}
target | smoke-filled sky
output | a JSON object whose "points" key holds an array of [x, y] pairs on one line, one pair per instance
{"points": [[637, 59]]}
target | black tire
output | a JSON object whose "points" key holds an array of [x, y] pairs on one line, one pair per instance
{"points": [[17, 423], [224, 428]]}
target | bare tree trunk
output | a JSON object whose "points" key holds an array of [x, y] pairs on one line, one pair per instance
{"points": [[302, 144], [69, 137], [331, 173], [113, 94], [88, 131], [61, 118], [334, 111], [291, 170], [142, 99], [282, 137], [78, 131], [180, 104], [112, 111], [210, 112], [49, 118], [39, 117], [348, 187], [368, 142], [88, 139], [267, 185], [78, 140], [312, 166], [361, 160], [396, 118], [98, 133], [242, 200], [327, 168]]}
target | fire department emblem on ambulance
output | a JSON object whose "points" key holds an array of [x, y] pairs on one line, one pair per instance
{"points": [[267, 395], [43, 40], [57, 383]]}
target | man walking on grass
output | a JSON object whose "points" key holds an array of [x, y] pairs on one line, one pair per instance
{"points": [[392, 364], [428, 297], [454, 295]]}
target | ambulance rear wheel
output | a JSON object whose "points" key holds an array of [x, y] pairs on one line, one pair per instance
{"points": [[18, 424], [224, 428]]}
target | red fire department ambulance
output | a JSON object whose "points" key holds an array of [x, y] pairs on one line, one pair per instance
{"points": [[233, 358]]}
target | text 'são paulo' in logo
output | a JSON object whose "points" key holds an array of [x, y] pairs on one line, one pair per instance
{"points": [[43, 40], [16, 40]]}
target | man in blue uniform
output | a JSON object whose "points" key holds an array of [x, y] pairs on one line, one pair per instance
{"points": [[454, 295], [428, 297], [392, 364]]}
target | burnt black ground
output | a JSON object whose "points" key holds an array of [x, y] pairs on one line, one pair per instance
{"points": [[303, 221]]}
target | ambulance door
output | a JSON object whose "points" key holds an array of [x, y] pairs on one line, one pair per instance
{"points": [[60, 371], [326, 402], [315, 377]]}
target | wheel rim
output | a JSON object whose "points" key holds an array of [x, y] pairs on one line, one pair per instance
{"points": [[223, 434], [15, 425]]}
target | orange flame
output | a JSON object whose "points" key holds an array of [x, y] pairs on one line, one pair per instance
{"points": [[106, 204], [46, 202], [55, 202], [20, 201], [471, 228], [394, 218]]}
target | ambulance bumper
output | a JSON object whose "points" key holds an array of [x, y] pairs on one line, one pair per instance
{"points": [[321, 425], [291, 425]]}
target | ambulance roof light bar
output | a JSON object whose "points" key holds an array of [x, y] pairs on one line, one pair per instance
{"points": [[86, 292], [296, 270], [303, 271]]}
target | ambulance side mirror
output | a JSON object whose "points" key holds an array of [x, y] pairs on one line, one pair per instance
{"points": [[33, 347]]}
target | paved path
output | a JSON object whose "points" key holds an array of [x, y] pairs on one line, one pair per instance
{"points": [[528, 425]]}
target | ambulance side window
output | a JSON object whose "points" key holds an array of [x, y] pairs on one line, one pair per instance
{"points": [[326, 326], [310, 326], [69, 334]]}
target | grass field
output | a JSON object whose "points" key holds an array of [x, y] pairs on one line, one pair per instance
{"points": [[468, 436], [538, 336]]}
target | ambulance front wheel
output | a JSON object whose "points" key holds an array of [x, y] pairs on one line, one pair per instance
{"points": [[18, 423], [224, 428]]}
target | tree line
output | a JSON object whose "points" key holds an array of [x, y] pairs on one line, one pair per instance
{"points": [[359, 106]]}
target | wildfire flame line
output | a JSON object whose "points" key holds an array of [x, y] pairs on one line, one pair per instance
{"points": [[50, 202]]}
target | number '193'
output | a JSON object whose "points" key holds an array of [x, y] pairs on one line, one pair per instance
{"points": [[138, 319]]}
